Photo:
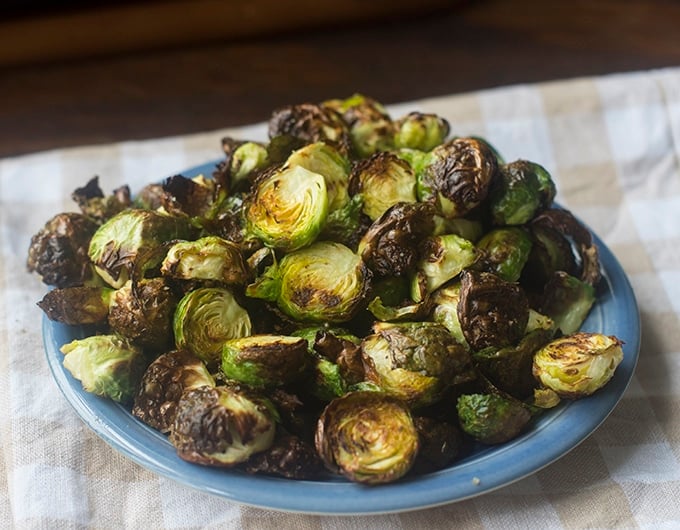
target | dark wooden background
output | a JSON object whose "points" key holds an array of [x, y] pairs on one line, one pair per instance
{"points": [[66, 79]]}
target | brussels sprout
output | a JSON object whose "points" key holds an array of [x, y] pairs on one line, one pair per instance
{"points": [[325, 160], [443, 258], [469, 229], [348, 224], [383, 180], [207, 258], [246, 158], [265, 360], [222, 426], [414, 361], [193, 197], [368, 437], [550, 252], [440, 443], [207, 317], [128, 238], [519, 193], [77, 305], [288, 207], [324, 282], [491, 311], [405, 311], [539, 321], [150, 197], [578, 365], [390, 247], [58, 251], [92, 202], [142, 311], [491, 418], [162, 385], [445, 310], [106, 365], [341, 348], [310, 123], [457, 176], [504, 251], [370, 126], [567, 301], [420, 131], [288, 457]]}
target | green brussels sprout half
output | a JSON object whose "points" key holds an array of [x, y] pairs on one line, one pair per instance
{"points": [[265, 360], [443, 258], [368, 437], [245, 159], [207, 317], [162, 385], [457, 176], [414, 361], [131, 237], [383, 180], [206, 258], [106, 365], [420, 131], [58, 252], [288, 207], [445, 310], [77, 305], [222, 426], [579, 364], [567, 301], [324, 282], [491, 418], [504, 251]]}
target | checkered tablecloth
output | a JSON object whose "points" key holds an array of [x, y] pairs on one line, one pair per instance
{"points": [[612, 145]]}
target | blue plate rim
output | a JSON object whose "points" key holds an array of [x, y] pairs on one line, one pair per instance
{"points": [[552, 436]]}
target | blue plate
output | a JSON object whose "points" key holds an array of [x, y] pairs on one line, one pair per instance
{"points": [[485, 469]]}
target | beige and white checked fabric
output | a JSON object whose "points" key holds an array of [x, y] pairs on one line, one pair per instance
{"points": [[613, 146]]}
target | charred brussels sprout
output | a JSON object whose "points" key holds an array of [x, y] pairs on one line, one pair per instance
{"points": [[207, 317], [162, 385], [222, 426], [288, 207], [382, 180], [491, 311], [567, 301], [443, 258], [325, 282], [207, 258], [59, 251], [415, 361], [578, 365], [368, 437], [420, 131], [391, 246], [77, 305], [458, 176], [504, 251], [95, 205], [106, 365], [130, 237], [142, 311], [440, 443], [289, 457], [265, 360], [491, 418]]}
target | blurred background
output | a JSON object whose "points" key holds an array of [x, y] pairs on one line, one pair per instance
{"points": [[75, 72]]}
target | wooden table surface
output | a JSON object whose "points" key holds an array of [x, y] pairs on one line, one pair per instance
{"points": [[189, 85]]}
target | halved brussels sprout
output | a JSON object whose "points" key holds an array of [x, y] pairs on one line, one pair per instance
{"points": [[491, 418], [383, 180], [58, 252], [77, 305], [443, 258], [207, 317], [265, 360], [445, 310], [491, 311], [368, 437], [420, 131], [222, 426], [131, 237], [162, 385], [567, 301], [289, 457], [106, 365], [578, 365], [457, 176], [288, 207], [504, 251], [415, 361], [324, 282], [246, 158], [192, 197], [206, 258]]}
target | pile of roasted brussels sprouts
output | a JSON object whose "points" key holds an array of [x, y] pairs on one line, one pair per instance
{"points": [[358, 295]]}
